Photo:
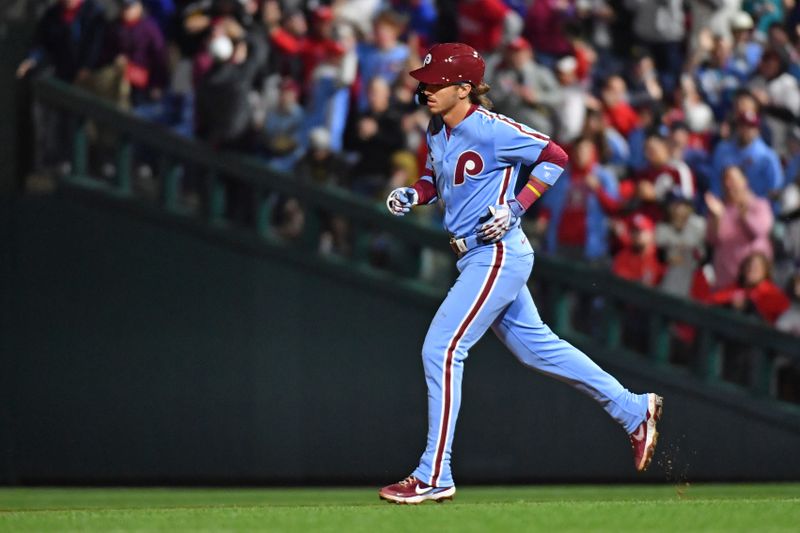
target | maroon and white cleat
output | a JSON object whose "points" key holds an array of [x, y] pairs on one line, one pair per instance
{"points": [[644, 439], [411, 491]]}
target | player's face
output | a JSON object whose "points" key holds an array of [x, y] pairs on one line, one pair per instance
{"points": [[443, 98]]}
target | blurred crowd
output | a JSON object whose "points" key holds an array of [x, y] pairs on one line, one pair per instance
{"points": [[680, 116]]}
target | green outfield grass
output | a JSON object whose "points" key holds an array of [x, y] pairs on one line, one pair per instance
{"points": [[766, 507]]}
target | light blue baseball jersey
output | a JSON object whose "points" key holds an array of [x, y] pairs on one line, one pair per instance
{"points": [[477, 163]]}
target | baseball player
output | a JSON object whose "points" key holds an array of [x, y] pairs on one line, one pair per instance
{"points": [[474, 158]]}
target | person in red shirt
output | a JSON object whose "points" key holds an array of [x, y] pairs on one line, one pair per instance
{"points": [[545, 28], [313, 48], [480, 23], [754, 293], [618, 112], [639, 261]]}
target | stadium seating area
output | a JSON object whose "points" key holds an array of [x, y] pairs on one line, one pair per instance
{"points": [[681, 118]]}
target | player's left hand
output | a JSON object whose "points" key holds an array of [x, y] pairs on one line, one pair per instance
{"points": [[496, 223]]}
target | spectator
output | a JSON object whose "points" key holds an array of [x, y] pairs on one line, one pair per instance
{"points": [[374, 136], [688, 150], [545, 29], [697, 114], [748, 151], [282, 127], [223, 111], [664, 175], [324, 167], [779, 95], [359, 13], [68, 37], [71, 54], [328, 103], [716, 78], [779, 41], [789, 211], [712, 16], [638, 261], [572, 112], [746, 51], [753, 292], [647, 191], [738, 227], [135, 43], [618, 112], [660, 27], [525, 90], [681, 241], [482, 23], [645, 88], [386, 57], [766, 12], [789, 321], [421, 16], [576, 224], [321, 165], [311, 48]]}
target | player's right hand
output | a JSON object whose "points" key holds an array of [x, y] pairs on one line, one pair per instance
{"points": [[401, 200]]}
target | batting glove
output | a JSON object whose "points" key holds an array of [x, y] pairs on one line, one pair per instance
{"points": [[498, 221], [401, 200]]}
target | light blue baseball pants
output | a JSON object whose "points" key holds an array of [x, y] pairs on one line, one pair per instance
{"points": [[491, 290]]}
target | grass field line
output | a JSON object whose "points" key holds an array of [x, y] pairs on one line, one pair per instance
{"points": [[385, 505]]}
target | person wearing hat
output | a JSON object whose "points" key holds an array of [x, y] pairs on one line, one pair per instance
{"points": [[748, 151], [746, 52], [475, 158], [638, 260], [572, 111]]}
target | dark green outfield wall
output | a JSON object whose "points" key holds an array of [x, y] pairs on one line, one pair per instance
{"points": [[134, 351]]}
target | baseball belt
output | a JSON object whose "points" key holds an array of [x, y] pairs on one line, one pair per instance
{"points": [[462, 245]]}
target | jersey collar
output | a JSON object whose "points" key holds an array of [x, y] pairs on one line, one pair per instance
{"points": [[471, 110]]}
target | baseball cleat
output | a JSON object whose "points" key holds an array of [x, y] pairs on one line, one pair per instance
{"points": [[644, 439], [412, 491]]}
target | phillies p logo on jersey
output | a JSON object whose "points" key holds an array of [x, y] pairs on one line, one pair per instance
{"points": [[469, 164]]}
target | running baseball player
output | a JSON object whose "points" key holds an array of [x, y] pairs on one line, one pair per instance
{"points": [[474, 158]]}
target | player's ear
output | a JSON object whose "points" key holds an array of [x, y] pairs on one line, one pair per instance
{"points": [[463, 90]]}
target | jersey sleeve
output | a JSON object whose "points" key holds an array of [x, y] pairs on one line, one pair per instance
{"points": [[517, 143]]}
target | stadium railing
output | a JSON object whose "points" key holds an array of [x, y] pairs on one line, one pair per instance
{"points": [[623, 307]]}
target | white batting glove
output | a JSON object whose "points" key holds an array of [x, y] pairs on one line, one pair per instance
{"points": [[401, 200], [496, 223]]}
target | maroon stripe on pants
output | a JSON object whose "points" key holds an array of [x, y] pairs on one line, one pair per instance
{"points": [[495, 270]]}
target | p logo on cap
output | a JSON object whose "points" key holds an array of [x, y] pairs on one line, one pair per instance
{"points": [[427, 60]]}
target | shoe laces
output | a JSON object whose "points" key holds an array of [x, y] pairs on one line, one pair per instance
{"points": [[410, 480]]}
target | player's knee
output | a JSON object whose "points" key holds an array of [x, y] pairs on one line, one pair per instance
{"points": [[433, 352]]}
